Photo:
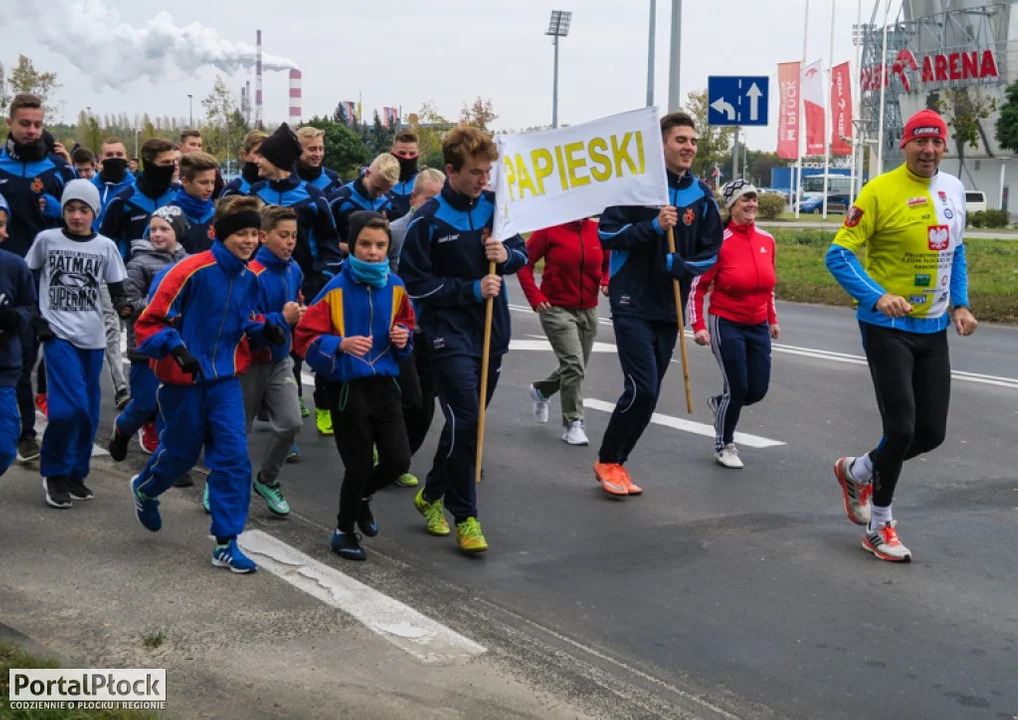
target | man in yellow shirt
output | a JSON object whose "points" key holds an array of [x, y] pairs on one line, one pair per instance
{"points": [[911, 221]]}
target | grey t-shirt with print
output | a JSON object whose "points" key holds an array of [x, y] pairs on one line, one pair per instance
{"points": [[72, 270]]}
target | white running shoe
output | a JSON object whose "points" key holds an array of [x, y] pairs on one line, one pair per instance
{"points": [[728, 457], [575, 434], [540, 405], [883, 542]]}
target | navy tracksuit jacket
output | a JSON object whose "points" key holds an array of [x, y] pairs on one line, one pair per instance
{"points": [[643, 297], [23, 184], [127, 216], [326, 180], [442, 264], [400, 197], [17, 290], [350, 198]]}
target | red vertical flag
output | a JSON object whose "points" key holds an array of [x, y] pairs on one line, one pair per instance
{"points": [[814, 103], [841, 109], [788, 118]]}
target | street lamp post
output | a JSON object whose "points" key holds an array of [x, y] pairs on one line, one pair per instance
{"points": [[558, 27], [674, 96], [190, 110]]}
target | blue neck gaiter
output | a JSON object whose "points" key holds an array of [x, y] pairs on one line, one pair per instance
{"points": [[375, 274]]}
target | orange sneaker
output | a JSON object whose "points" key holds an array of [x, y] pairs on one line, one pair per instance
{"points": [[613, 478], [41, 404], [633, 489]]}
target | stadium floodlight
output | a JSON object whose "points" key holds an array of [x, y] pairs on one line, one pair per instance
{"points": [[558, 27]]}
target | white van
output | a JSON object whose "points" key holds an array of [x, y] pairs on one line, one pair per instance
{"points": [[975, 201]]}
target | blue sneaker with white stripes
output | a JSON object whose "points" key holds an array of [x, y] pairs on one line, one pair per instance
{"points": [[230, 556], [146, 508]]}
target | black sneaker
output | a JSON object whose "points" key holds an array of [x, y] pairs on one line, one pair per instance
{"points": [[122, 397], [184, 480], [57, 493], [347, 545], [79, 491], [366, 520], [28, 449], [117, 446]]}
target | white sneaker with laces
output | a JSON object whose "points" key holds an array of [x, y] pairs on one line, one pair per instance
{"points": [[575, 434], [728, 457], [540, 405]]}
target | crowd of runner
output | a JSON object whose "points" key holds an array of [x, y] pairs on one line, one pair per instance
{"points": [[379, 286]]}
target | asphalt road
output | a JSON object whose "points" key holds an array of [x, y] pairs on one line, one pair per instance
{"points": [[720, 593]]}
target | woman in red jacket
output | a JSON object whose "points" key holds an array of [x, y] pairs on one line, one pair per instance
{"points": [[741, 317], [574, 266]]}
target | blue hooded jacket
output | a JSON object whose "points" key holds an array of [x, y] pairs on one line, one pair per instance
{"points": [[279, 282]]}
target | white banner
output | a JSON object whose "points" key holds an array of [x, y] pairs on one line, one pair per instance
{"points": [[556, 176]]}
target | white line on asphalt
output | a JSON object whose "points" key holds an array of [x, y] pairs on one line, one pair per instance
{"points": [[427, 640], [754, 441], [846, 358]]}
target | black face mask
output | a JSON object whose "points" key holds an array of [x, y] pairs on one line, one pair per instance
{"points": [[27, 152], [156, 180], [114, 170], [250, 172], [407, 167], [309, 173]]}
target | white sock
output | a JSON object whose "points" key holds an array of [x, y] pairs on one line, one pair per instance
{"points": [[862, 468], [879, 516]]}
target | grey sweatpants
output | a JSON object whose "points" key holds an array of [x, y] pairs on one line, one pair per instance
{"points": [[571, 334], [114, 358], [273, 385]]}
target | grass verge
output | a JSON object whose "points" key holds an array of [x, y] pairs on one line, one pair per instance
{"points": [[803, 277], [13, 657]]}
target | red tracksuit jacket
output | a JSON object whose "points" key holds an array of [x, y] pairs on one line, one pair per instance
{"points": [[741, 283], [575, 266]]}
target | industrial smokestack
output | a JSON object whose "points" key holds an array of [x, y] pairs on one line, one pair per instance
{"points": [[258, 83], [295, 97], [247, 108]]}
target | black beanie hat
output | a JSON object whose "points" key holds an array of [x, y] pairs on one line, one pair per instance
{"points": [[281, 148], [357, 222], [175, 217]]}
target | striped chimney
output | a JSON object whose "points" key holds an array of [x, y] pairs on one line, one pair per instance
{"points": [[258, 83], [295, 97]]}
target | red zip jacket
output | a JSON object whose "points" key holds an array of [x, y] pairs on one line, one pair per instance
{"points": [[574, 265], [741, 283]]}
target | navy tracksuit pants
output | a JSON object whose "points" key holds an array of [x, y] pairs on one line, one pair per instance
{"points": [[143, 408], [645, 349], [10, 426], [743, 353], [209, 415], [73, 398], [458, 381]]}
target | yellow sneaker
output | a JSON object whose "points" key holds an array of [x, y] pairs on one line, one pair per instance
{"points": [[470, 537], [324, 420], [434, 513]]}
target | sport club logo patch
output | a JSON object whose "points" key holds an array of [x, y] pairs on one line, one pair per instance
{"points": [[212, 233], [854, 216], [689, 216], [37, 186], [938, 237], [918, 202], [942, 195]]}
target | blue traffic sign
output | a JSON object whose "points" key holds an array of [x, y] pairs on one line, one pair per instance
{"points": [[737, 100]]}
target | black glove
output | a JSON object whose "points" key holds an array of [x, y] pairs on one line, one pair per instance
{"points": [[187, 362], [274, 335], [43, 331], [10, 319]]}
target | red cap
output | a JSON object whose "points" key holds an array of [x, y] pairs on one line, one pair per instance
{"points": [[925, 123]]}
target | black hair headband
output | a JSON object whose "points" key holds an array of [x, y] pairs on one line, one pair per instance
{"points": [[227, 226]]}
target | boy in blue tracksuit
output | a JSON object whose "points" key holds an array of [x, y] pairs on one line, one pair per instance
{"points": [[445, 263], [354, 336], [197, 183], [17, 306], [368, 192], [642, 294], [405, 148], [248, 177], [269, 381], [197, 327], [310, 166], [149, 258], [113, 178], [72, 263], [128, 213]]}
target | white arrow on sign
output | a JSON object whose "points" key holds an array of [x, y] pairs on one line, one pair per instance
{"points": [[754, 95], [724, 107]]}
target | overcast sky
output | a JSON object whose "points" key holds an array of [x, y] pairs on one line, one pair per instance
{"points": [[406, 52]]}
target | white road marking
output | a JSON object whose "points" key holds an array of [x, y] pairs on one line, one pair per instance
{"points": [[838, 357], [544, 345], [427, 640], [753, 441]]}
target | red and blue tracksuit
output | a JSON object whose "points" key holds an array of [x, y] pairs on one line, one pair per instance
{"points": [[205, 303], [442, 263], [642, 295]]}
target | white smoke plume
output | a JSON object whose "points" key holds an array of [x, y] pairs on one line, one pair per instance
{"points": [[114, 54]]}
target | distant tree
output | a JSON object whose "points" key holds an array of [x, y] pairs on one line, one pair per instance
{"points": [[1007, 121], [24, 78], [481, 114], [431, 127], [715, 143], [381, 136], [148, 129], [345, 152], [225, 127], [965, 110], [339, 114], [760, 166]]}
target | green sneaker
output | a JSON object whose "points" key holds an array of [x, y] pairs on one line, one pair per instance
{"points": [[273, 496], [434, 513], [304, 412], [205, 498], [324, 420], [374, 449], [470, 537], [407, 480]]}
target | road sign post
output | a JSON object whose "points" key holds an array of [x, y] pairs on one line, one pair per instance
{"points": [[733, 100]]}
